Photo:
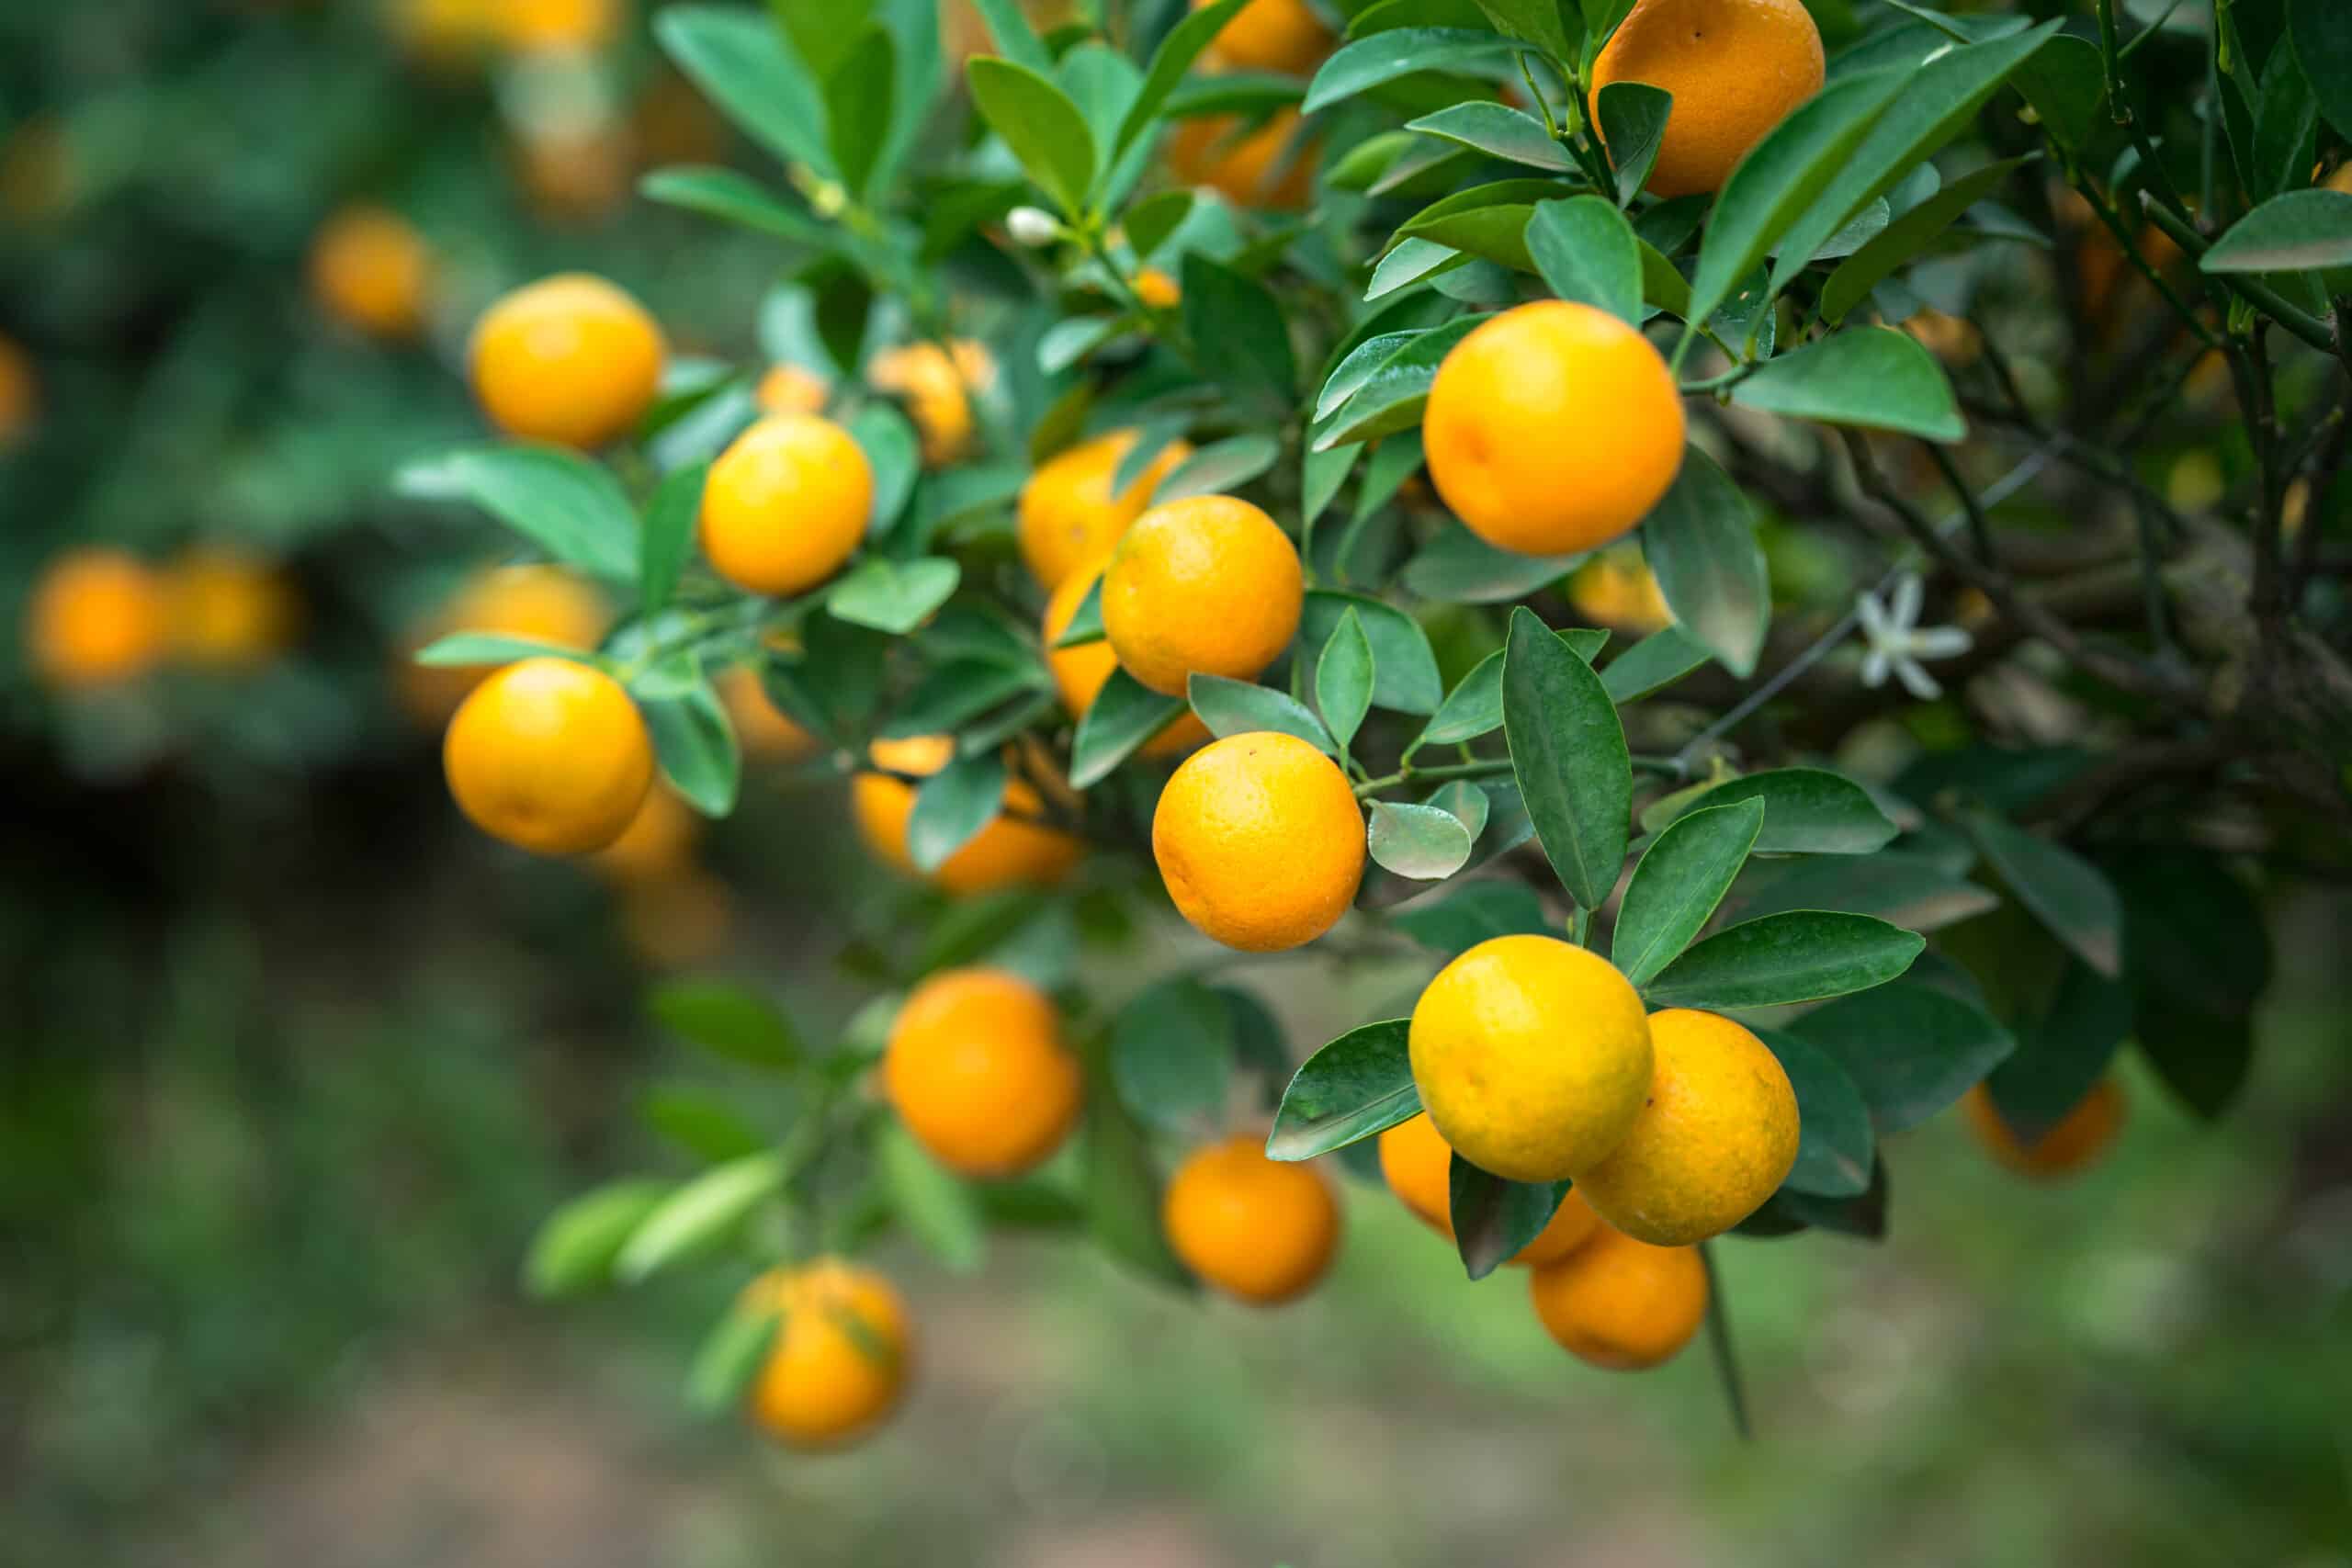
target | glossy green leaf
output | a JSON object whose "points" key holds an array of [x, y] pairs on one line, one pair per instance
{"points": [[1239, 707], [952, 805], [700, 1216], [2067, 894], [1906, 238], [1008, 24], [1632, 123], [1150, 221], [1039, 123], [1368, 61], [1237, 334], [1124, 716], [894, 451], [1478, 912], [1700, 542], [1869, 378], [1404, 677], [1587, 252], [736, 198], [1835, 1145], [727, 1021], [1395, 391], [695, 744], [575, 1247], [740, 60], [1801, 957], [1425, 843], [1911, 1049], [1494, 1218], [1343, 679], [1677, 883], [566, 505], [1652, 664], [2297, 232], [1358, 1085], [1498, 130], [1220, 467], [1807, 811], [1569, 757], [668, 537], [1540, 22], [1172, 1054], [858, 95], [1177, 51], [893, 596], [1458, 567], [731, 1356]]}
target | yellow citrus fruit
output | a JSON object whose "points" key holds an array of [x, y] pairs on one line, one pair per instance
{"points": [[20, 391], [840, 1356], [657, 843], [676, 921], [1257, 1229], [1069, 516], [1159, 290], [1622, 1303], [1735, 69], [1715, 1137], [372, 271], [556, 26], [977, 1069], [1273, 35], [570, 360], [1009, 851], [1620, 592], [543, 604], [788, 389], [96, 618], [1532, 1057], [1208, 584], [2074, 1142], [1553, 428], [761, 729], [786, 505], [549, 755], [1080, 671], [1419, 1164], [936, 385], [1258, 167], [444, 33], [1259, 840], [228, 610]]}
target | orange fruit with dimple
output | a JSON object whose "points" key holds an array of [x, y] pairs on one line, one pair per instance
{"points": [[1260, 841], [1080, 671], [1249, 168], [787, 504], [788, 389], [1260, 1230], [1716, 1135], [570, 360], [1069, 515], [549, 755], [371, 270], [977, 1071], [838, 1359], [764, 731], [1014, 849], [1418, 1164], [1736, 68], [1621, 1303], [97, 617], [228, 610], [1273, 35], [1205, 585], [2074, 1142], [1552, 428]]}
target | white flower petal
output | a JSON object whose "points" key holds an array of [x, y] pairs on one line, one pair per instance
{"points": [[1904, 612], [1875, 668], [1940, 642], [1916, 681]]}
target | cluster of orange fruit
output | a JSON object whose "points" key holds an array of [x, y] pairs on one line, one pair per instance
{"points": [[101, 618]]}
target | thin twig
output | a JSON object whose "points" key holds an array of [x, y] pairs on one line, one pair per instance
{"points": [[1719, 1343]]}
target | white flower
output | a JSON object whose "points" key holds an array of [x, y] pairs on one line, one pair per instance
{"points": [[1033, 225], [1898, 642]]}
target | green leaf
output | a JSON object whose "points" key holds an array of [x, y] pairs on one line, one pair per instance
{"points": [[1914, 891], [1799, 956], [1936, 104], [1677, 883], [1479, 912], [895, 453], [1835, 1148], [952, 805], [1125, 714], [700, 1216], [2064, 891], [1700, 540], [1172, 1054], [568, 506], [1906, 238], [1537, 21], [1600, 19], [2322, 32], [1183, 44], [1409, 262], [1343, 680], [1008, 24], [730, 1357], [1494, 1218], [734, 199], [739, 57], [1424, 842], [1632, 126], [890, 595], [1499, 130], [2302, 232], [1869, 378], [1807, 811], [574, 1248], [1656, 661], [2065, 1052], [1458, 567], [1237, 708], [857, 106], [1568, 755], [1151, 220], [1404, 677], [1358, 1085], [1663, 287], [1473, 708], [1086, 621], [955, 693], [2286, 129], [1220, 467], [939, 1211], [698, 1122], [1911, 1049], [1781, 177], [464, 650], [695, 746], [1122, 1193], [1043, 128], [2067, 89], [727, 1020], [668, 537], [1468, 803], [1587, 252], [1368, 61], [1237, 331]]}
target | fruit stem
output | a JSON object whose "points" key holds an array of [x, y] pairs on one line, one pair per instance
{"points": [[1719, 1344]]}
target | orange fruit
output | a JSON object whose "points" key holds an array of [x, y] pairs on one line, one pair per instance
{"points": [[372, 271], [20, 392], [1080, 671], [1552, 428], [1621, 1303], [542, 603], [658, 842], [1532, 1057], [786, 505], [1159, 290], [570, 360], [1620, 592], [1208, 584], [977, 1069], [788, 389], [556, 26], [1736, 68], [936, 386], [1257, 1229], [1256, 167], [840, 1356], [1009, 851], [1273, 35], [1715, 1137], [96, 618], [1069, 516], [1418, 1164], [1259, 840], [2073, 1143], [228, 610], [761, 729], [550, 756]]}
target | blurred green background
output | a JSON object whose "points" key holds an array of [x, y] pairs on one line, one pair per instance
{"points": [[294, 1063]]}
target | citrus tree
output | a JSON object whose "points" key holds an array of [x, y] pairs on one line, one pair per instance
{"points": [[1458, 483]]}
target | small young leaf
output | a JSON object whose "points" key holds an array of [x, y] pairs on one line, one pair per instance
{"points": [[695, 743], [1358, 1085], [890, 595], [1569, 757], [1801, 957], [1404, 677], [1677, 883], [1343, 680], [1424, 842]]}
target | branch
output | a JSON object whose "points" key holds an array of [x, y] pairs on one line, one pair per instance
{"points": [[2260, 295]]}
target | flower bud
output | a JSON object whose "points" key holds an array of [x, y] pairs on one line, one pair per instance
{"points": [[1033, 226]]}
